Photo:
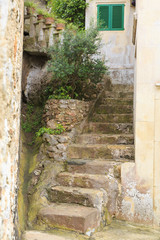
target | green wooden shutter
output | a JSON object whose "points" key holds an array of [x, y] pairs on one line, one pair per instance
{"points": [[103, 17], [118, 17]]}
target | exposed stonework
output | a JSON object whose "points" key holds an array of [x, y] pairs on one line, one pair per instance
{"points": [[69, 113], [11, 45], [53, 151], [91, 173]]}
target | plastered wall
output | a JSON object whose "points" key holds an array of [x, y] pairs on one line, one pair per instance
{"points": [[147, 114], [116, 45], [11, 42], [140, 192]]}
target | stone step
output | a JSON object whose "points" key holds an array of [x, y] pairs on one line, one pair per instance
{"points": [[83, 180], [117, 101], [114, 109], [105, 138], [70, 216], [111, 168], [108, 128], [112, 118], [76, 195], [111, 94], [100, 151], [90, 181], [122, 88]]}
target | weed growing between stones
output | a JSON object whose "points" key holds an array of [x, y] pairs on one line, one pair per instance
{"points": [[31, 120], [57, 131]]}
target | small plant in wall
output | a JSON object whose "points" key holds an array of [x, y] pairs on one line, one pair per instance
{"points": [[60, 24], [57, 131], [40, 13], [49, 18], [31, 7]]}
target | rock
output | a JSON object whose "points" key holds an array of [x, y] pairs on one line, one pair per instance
{"points": [[82, 219], [51, 124], [61, 147]]}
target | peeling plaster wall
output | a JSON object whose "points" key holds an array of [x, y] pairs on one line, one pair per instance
{"points": [[11, 42], [116, 45]]}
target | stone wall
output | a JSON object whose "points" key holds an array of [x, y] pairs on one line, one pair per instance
{"points": [[50, 160], [69, 113], [11, 43]]}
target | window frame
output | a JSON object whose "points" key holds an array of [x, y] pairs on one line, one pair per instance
{"points": [[110, 6]]}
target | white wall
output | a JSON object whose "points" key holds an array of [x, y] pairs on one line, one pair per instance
{"points": [[117, 45]]}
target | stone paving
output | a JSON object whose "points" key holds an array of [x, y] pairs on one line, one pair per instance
{"points": [[116, 231]]}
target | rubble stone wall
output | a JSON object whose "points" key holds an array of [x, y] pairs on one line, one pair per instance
{"points": [[69, 113], [11, 43]]}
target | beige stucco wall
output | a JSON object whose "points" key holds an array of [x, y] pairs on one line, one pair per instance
{"points": [[116, 45], [140, 195], [147, 114], [11, 26]]}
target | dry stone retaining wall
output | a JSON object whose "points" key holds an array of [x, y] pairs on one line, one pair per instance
{"points": [[69, 113]]}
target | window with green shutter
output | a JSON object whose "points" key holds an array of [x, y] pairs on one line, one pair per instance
{"points": [[110, 17]]}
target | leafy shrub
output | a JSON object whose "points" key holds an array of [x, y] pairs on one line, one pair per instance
{"points": [[74, 62], [57, 131], [69, 10]]}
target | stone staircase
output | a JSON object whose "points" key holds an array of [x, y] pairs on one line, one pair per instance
{"points": [[87, 193]]}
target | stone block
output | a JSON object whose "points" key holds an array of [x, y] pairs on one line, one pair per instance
{"points": [[82, 196], [72, 217]]}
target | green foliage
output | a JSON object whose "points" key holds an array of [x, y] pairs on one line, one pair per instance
{"points": [[75, 61], [60, 20], [57, 131], [69, 10], [41, 11], [30, 4], [32, 120], [51, 15], [63, 93]]}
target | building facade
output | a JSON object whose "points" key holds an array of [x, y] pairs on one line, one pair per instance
{"points": [[115, 22]]}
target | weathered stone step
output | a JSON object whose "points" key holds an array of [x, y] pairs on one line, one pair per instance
{"points": [[76, 195], [83, 180], [111, 94], [105, 138], [96, 151], [90, 181], [94, 167], [117, 101], [112, 118], [108, 128], [122, 88], [70, 216], [114, 109]]}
